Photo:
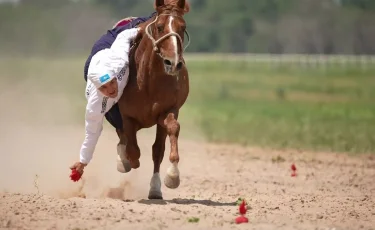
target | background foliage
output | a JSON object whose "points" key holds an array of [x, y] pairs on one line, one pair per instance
{"points": [[258, 26]]}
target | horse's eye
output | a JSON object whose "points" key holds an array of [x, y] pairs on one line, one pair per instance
{"points": [[160, 28]]}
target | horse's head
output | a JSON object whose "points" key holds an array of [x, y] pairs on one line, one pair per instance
{"points": [[167, 33]]}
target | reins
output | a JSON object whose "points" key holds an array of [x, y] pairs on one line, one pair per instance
{"points": [[156, 42]]}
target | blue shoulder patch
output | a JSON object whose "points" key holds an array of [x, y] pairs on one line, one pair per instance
{"points": [[104, 78]]}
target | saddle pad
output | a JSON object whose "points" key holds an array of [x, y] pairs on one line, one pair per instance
{"points": [[123, 22]]}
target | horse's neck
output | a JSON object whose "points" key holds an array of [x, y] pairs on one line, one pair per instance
{"points": [[150, 69]]}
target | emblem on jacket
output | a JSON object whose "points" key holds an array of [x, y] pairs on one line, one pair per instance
{"points": [[121, 74], [104, 104]]}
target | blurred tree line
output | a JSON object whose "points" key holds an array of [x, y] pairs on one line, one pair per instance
{"points": [[258, 26]]}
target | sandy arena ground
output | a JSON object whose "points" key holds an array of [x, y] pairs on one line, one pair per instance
{"points": [[331, 191]]}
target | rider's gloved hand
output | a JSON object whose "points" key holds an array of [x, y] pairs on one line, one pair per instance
{"points": [[78, 166]]}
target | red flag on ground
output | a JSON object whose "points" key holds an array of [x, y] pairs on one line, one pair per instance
{"points": [[294, 169], [242, 209]]}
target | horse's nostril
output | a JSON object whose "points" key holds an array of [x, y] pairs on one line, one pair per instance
{"points": [[167, 62], [179, 65]]}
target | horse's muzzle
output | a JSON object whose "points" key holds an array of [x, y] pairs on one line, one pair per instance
{"points": [[171, 67]]}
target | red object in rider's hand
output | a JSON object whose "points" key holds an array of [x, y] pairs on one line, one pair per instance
{"points": [[75, 175]]}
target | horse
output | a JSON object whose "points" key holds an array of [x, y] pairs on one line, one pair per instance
{"points": [[157, 88]]}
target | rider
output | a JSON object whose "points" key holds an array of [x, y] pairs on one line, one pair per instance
{"points": [[106, 73]]}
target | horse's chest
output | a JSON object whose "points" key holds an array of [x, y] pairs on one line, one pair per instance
{"points": [[149, 113], [146, 106]]}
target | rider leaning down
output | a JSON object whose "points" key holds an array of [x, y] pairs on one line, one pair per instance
{"points": [[106, 72]]}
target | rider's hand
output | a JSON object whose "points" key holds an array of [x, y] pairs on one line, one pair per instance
{"points": [[79, 167]]}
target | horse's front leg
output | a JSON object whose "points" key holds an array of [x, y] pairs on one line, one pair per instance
{"points": [[132, 151], [123, 164], [172, 126], [158, 149]]}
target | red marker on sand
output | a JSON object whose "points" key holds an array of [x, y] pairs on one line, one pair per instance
{"points": [[294, 169], [242, 209]]}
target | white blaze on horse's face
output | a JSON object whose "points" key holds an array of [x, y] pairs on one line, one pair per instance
{"points": [[170, 47], [174, 39]]}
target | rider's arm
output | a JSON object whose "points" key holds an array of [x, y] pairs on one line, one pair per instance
{"points": [[93, 125], [119, 51], [107, 61]]}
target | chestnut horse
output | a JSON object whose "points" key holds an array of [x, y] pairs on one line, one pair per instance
{"points": [[158, 87]]}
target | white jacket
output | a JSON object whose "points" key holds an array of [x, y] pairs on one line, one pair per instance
{"points": [[113, 61]]}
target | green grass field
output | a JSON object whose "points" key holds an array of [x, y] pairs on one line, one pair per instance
{"points": [[328, 109], [286, 106]]}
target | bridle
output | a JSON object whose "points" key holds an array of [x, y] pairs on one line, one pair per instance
{"points": [[156, 42]]}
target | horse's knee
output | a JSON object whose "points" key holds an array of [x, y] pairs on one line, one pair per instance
{"points": [[171, 124], [173, 127]]}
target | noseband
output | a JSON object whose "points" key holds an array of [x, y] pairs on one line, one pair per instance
{"points": [[156, 42]]}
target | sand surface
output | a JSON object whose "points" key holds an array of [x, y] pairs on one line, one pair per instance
{"points": [[331, 191]]}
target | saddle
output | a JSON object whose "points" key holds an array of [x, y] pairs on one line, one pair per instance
{"points": [[124, 22]]}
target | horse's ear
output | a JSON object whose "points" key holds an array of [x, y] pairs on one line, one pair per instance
{"points": [[159, 3], [181, 4]]}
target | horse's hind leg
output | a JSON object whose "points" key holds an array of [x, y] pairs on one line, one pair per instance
{"points": [[123, 164], [172, 126], [158, 149]]}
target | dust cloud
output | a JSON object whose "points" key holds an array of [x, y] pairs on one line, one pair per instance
{"points": [[39, 141]]}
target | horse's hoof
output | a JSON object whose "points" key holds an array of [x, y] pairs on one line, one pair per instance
{"points": [[172, 182], [135, 164], [155, 195], [123, 165]]}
